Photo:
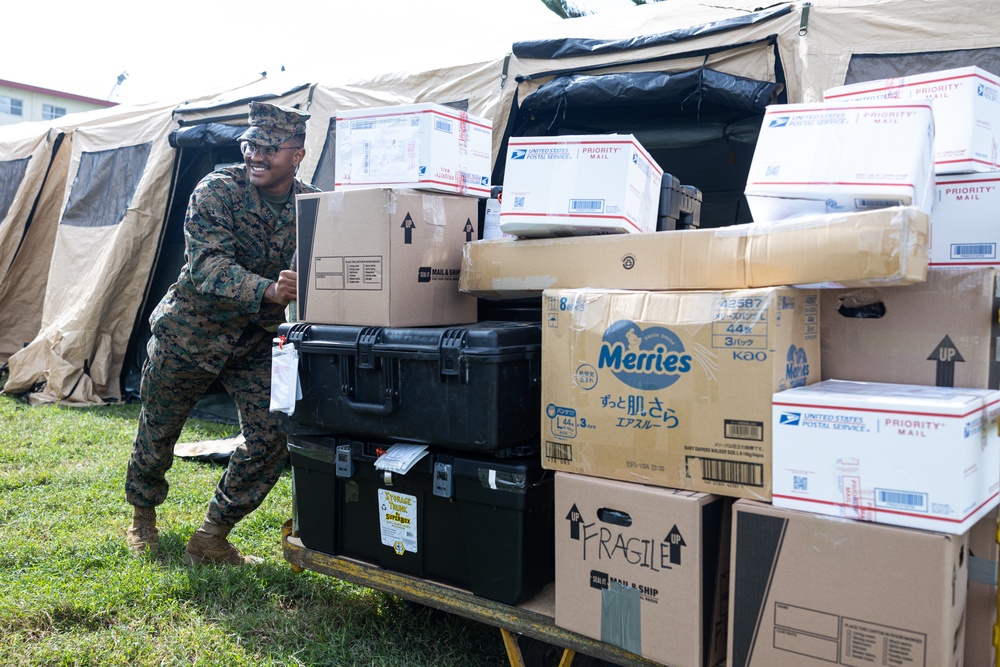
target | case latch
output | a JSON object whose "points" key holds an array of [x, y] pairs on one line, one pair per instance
{"points": [[344, 462], [366, 347], [444, 483], [452, 344]]}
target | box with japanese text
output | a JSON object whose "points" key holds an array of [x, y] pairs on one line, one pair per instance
{"points": [[672, 388]]}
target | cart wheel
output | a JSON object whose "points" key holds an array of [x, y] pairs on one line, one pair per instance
{"points": [[296, 569]]}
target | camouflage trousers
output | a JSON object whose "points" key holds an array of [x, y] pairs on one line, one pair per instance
{"points": [[171, 387]]}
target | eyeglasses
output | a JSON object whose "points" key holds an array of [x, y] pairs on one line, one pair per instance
{"points": [[248, 148]]}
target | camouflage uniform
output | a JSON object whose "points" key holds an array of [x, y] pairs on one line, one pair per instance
{"points": [[212, 324]]}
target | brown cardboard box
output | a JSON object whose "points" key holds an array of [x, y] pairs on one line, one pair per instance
{"points": [[672, 388], [642, 568], [882, 247], [981, 606], [942, 332], [813, 591], [383, 257]]}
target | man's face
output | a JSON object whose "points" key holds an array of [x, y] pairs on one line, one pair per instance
{"points": [[273, 174]]}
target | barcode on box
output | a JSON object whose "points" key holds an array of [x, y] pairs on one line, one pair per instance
{"points": [[973, 250], [586, 205], [558, 451], [901, 500], [876, 203], [732, 472], [740, 429]]}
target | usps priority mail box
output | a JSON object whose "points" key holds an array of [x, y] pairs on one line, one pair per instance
{"points": [[966, 112], [846, 156], [906, 455], [579, 185], [965, 222]]}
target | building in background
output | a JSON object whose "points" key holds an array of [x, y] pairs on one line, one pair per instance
{"points": [[19, 102]]}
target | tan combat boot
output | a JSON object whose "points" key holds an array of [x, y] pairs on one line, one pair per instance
{"points": [[209, 545], [142, 536]]}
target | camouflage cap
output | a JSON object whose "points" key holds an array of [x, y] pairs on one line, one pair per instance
{"points": [[271, 124]]}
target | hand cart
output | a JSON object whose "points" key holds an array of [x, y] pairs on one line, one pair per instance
{"points": [[533, 618]]}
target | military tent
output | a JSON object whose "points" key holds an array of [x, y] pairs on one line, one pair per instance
{"points": [[690, 79]]}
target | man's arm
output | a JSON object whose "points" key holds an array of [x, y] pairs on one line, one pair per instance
{"points": [[283, 291]]}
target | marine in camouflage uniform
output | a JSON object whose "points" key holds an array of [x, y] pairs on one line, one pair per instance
{"points": [[217, 322]]}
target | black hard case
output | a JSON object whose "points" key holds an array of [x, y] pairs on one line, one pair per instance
{"points": [[493, 534], [473, 388]]}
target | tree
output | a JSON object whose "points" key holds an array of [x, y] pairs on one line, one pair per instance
{"points": [[567, 9]]}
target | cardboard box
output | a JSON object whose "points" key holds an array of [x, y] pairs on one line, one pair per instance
{"points": [[900, 454], [882, 247], [966, 113], [672, 388], [823, 158], [643, 568], [579, 185], [813, 591], [421, 146], [965, 222], [383, 258], [981, 603], [941, 332]]}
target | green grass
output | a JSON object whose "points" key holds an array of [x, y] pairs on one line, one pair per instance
{"points": [[71, 592]]}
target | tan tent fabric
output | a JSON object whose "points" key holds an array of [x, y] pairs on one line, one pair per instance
{"points": [[97, 274], [97, 277], [23, 292], [28, 141]]}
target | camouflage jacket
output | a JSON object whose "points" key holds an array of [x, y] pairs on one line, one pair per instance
{"points": [[234, 247]]}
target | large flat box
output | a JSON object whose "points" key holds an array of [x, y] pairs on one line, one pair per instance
{"points": [[981, 604], [421, 146], [480, 523], [472, 388], [672, 389], [882, 247], [965, 222], [579, 185], [966, 112], [843, 156], [813, 591], [941, 332], [643, 568], [383, 257], [899, 454]]}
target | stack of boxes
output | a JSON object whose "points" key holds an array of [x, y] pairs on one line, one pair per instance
{"points": [[680, 373], [719, 493], [414, 443]]}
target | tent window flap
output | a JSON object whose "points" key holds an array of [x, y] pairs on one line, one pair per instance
{"points": [[11, 174], [104, 186]]}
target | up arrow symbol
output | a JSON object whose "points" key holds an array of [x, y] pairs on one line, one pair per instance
{"points": [[468, 229], [675, 541], [575, 520], [408, 229], [945, 354]]}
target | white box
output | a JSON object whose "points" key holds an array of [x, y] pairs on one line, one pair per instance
{"points": [[907, 455], [420, 146], [825, 158], [579, 185], [965, 222], [966, 113]]}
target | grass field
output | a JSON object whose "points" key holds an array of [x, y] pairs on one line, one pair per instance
{"points": [[71, 593]]}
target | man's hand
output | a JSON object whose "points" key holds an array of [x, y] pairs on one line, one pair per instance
{"points": [[283, 291]]}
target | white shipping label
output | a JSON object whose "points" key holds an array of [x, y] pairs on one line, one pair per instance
{"points": [[398, 521]]}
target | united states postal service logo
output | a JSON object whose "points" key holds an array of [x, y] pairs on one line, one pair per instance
{"points": [[789, 419], [518, 153], [780, 121]]}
